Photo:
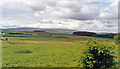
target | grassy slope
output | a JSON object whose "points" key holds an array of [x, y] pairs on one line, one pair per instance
{"points": [[47, 50]]}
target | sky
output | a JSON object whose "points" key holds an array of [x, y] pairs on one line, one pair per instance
{"points": [[93, 16]]}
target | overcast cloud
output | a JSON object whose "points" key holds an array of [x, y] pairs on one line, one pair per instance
{"points": [[79, 15]]}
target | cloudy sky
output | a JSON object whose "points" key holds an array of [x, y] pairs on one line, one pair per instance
{"points": [[94, 15]]}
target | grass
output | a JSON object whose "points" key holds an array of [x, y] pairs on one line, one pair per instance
{"points": [[46, 50], [54, 54]]}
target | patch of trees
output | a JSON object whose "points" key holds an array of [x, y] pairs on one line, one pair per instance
{"points": [[15, 33], [84, 33], [20, 33], [109, 35], [38, 31]]}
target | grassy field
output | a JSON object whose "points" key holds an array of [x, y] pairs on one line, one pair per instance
{"points": [[46, 50]]}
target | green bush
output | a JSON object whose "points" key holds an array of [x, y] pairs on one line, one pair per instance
{"points": [[98, 56], [117, 38]]}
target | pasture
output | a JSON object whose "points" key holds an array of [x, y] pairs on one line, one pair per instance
{"points": [[46, 49]]}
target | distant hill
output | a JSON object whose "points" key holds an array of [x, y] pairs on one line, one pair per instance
{"points": [[64, 31], [40, 29]]}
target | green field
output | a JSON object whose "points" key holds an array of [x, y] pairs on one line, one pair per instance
{"points": [[46, 49]]}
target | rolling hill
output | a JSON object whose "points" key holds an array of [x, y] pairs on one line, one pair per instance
{"points": [[41, 29]]}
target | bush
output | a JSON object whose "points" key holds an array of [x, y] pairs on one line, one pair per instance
{"points": [[117, 38], [98, 56]]}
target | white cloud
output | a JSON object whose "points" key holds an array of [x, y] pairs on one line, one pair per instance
{"points": [[110, 12], [70, 10], [77, 15]]}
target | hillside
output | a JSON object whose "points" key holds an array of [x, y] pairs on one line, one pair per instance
{"points": [[41, 29]]}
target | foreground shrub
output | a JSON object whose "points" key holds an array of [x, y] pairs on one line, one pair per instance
{"points": [[117, 38], [98, 56]]}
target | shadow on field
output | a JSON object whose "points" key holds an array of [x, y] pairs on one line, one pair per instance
{"points": [[24, 51]]}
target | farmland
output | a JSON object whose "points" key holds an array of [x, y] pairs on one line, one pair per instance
{"points": [[32, 49]]}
